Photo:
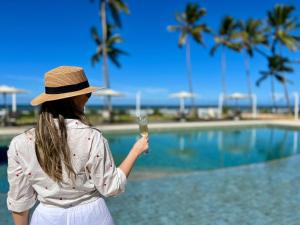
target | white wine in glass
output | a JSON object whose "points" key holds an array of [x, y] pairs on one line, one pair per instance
{"points": [[143, 126], [143, 130]]}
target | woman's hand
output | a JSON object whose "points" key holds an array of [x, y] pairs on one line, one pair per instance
{"points": [[138, 148], [141, 145]]}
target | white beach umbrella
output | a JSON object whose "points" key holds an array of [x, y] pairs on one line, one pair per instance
{"points": [[237, 96], [182, 95], [4, 90], [109, 93]]}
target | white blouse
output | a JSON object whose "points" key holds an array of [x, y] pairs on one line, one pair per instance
{"points": [[96, 173]]}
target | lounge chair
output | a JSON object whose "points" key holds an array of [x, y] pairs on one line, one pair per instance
{"points": [[208, 113]]}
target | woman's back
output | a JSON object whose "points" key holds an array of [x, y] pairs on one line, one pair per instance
{"points": [[89, 151]]}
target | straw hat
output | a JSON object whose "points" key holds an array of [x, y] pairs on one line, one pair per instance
{"points": [[64, 82]]}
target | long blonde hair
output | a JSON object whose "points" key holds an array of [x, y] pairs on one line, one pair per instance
{"points": [[51, 144]]}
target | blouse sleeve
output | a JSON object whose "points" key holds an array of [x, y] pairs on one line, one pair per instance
{"points": [[107, 178], [21, 196]]}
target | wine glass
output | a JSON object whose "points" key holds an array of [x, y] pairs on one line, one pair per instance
{"points": [[143, 126]]}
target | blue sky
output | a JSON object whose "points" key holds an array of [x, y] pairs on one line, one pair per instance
{"points": [[37, 36]]}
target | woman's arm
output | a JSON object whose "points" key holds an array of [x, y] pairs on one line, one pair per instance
{"points": [[21, 218], [139, 147]]}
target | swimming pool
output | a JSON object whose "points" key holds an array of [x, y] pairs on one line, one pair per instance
{"points": [[180, 151], [183, 150]]}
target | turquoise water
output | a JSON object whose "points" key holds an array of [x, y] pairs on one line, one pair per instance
{"points": [[209, 149], [184, 150], [193, 150]]}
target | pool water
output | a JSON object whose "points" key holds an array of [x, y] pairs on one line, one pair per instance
{"points": [[184, 150], [209, 149], [189, 150]]}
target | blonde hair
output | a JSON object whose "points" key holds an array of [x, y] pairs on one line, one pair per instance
{"points": [[51, 144]]}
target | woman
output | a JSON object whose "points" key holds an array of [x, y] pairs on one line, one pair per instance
{"points": [[63, 162]]}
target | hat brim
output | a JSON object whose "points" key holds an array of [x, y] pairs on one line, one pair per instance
{"points": [[51, 97]]}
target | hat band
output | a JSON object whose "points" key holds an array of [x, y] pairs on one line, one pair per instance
{"points": [[67, 88]]}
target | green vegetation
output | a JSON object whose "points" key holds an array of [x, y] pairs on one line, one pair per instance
{"points": [[265, 110], [275, 32], [157, 112], [281, 25], [27, 119], [268, 37]]}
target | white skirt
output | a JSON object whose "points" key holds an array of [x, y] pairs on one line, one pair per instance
{"points": [[92, 213]]}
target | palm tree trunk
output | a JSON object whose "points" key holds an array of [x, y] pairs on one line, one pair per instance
{"points": [[286, 94], [104, 54], [273, 93], [189, 73], [223, 76], [247, 67]]}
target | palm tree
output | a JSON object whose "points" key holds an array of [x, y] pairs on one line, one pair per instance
{"points": [[108, 46], [189, 28], [252, 34], [277, 65], [282, 25], [226, 38], [112, 51], [114, 6]]}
